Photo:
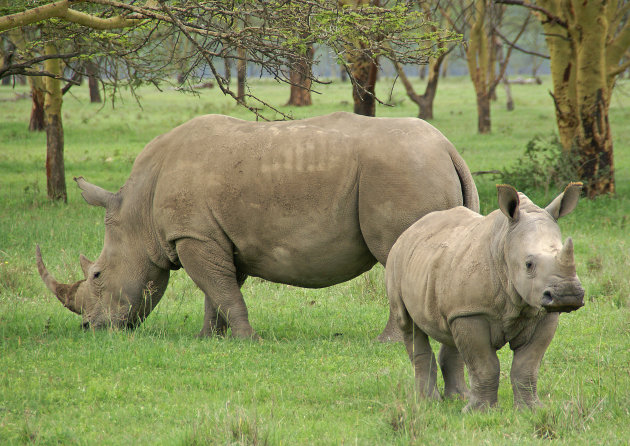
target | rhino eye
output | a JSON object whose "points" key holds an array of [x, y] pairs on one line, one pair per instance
{"points": [[97, 274], [529, 265]]}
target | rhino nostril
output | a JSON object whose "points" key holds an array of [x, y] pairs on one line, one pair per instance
{"points": [[547, 298]]}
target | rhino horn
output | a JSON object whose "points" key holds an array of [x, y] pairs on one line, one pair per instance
{"points": [[65, 293], [95, 195], [565, 257]]}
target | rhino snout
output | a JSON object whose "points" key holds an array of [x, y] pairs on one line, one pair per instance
{"points": [[563, 298]]}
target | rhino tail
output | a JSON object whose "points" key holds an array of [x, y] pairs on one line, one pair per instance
{"points": [[469, 189]]}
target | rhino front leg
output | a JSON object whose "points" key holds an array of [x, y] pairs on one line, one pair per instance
{"points": [[213, 322], [526, 362], [452, 366], [423, 361], [212, 269], [472, 338]]}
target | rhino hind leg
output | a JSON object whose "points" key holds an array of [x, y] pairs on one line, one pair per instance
{"points": [[423, 361], [213, 271], [452, 366]]}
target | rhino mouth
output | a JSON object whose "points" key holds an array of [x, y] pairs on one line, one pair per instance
{"points": [[562, 303]]}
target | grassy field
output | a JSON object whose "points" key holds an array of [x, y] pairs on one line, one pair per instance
{"points": [[318, 376]]}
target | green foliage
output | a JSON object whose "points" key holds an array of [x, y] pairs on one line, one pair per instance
{"points": [[318, 376], [544, 166]]}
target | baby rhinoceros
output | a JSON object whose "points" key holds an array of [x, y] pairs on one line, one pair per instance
{"points": [[476, 283]]}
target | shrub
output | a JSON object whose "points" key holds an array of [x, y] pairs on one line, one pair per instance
{"points": [[544, 166]]}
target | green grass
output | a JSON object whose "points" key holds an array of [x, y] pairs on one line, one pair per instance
{"points": [[318, 376]]}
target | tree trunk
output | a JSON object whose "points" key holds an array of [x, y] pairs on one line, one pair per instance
{"points": [[37, 122], [424, 101], [583, 54], [92, 72], [509, 102], [300, 78], [227, 63], [363, 71], [595, 139], [483, 112], [55, 170], [241, 75], [478, 58]]}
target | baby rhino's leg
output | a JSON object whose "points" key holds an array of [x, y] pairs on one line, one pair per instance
{"points": [[423, 361], [452, 366]]}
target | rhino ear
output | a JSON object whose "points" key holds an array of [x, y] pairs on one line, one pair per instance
{"points": [[564, 203], [508, 201], [85, 264], [96, 196]]}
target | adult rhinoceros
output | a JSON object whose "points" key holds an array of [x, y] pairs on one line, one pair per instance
{"points": [[310, 203]]}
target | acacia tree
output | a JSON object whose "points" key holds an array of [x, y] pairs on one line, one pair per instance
{"points": [[425, 101], [588, 44], [132, 37], [481, 20], [362, 66]]}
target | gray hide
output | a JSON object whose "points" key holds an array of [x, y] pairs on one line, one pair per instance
{"points": [[310, 203], [474, 284]]}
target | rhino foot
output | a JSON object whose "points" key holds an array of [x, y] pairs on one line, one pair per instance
{"points": [[390, 335], [477, 405]]}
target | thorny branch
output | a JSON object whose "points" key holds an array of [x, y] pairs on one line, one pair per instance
{"points": [[156, 39]]}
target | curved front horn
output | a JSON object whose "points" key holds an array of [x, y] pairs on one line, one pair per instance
{"points": [[65, 293]]}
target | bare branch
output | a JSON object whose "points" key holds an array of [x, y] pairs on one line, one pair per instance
{"points": [[518, 48], [551, 17]]}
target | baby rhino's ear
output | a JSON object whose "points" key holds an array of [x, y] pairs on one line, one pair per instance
{"points": [[564, 203], [508, 201]]}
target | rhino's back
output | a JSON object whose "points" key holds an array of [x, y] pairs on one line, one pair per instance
{"points": [[311, 202]]}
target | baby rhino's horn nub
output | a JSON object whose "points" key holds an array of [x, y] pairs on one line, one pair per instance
{"points": [[566, 255]]}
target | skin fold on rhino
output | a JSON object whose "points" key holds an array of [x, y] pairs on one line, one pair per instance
{"points": [[476, 283], [310, 203]]}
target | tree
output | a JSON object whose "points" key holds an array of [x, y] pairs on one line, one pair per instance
{"points": [[587, 43], [300, 77], [129, 37], [362, 66], [425, 100], [479, 21]]}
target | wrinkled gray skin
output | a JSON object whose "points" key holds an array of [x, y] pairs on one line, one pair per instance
{"points": [[309, 203], [476, 283]]}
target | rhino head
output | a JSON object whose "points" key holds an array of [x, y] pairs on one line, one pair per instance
{"points": [[539, 266], [122, 286]]}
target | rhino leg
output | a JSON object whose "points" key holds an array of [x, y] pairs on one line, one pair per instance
{"points": [[212, 269], [452, 366], [472, 339], [213, 322], [391, 332], [526, 362], [423, 361]]}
